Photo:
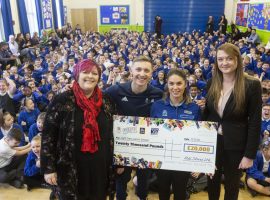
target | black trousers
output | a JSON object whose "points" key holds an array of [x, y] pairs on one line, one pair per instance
{"points": [[227, 161], [34, 181], [177, 179], [14, 170]]}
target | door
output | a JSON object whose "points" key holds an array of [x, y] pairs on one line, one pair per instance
{"points": [[87, 18]]}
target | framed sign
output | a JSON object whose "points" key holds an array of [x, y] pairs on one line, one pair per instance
{"points": [[118, 14]]}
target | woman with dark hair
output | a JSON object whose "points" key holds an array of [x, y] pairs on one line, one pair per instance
{"points": [[210, 25], [222, 24], [176, 104], [234, 101], [76, 153]]}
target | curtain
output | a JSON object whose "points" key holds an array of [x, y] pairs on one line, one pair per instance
{"points": [[62, 12], [24, 26], [39, 15], [54, 9], [7, 18]]}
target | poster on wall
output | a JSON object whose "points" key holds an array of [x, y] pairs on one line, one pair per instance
{"points": [[242, 14], [118, 14], [259, 15], [65, 15], [47, 14]]}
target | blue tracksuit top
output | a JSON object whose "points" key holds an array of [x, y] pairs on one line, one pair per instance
{"points": [[131, 104], [30, 168], [164, 109], [256, 170]]}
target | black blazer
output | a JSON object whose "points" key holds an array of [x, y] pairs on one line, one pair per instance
{"points": [[241, 131]]}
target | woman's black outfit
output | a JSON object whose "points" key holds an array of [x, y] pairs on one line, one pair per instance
{"points": [[210, 27], [240, 138], [79, 175]]}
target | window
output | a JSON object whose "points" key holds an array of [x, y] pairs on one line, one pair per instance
{"points": [[2, 32], [30, 6], [58, 11]]}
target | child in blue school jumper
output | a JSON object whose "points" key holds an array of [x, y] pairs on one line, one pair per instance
{"points": [[28, 115], [37, 127], [265, 127], [258, 176], [32, 176], [176, 104]]}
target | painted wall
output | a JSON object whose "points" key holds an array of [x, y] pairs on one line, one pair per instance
{"points": [[136, 8]]}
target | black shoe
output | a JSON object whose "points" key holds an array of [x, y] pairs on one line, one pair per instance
{"points": [[253, 192], [17, 184], [52, 196], [241, 185], [28, 188]]}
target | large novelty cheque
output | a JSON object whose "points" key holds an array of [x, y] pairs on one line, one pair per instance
{"points": [[155, 143]]}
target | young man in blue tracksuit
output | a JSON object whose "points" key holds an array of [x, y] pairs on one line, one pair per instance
{"points": [[176, 104], [134, 99]]}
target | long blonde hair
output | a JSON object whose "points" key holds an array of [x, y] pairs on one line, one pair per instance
{"points": [[239, 85]]}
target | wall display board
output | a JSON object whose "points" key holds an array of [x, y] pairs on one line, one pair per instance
{"points": [[242, 14], [259, 15], [118, 14], [155, 143], [47, 14]]}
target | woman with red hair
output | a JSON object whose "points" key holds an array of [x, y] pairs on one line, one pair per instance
{"points": [[75, 154]]}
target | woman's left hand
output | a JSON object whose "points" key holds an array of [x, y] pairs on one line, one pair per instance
{"points": [[245, 163]]}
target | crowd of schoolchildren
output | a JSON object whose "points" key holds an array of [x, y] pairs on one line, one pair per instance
{"points": [[34, 70]]}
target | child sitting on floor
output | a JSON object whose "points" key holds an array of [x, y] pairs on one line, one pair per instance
{"points": [[12, 158], [32, 176], [258, 176]]}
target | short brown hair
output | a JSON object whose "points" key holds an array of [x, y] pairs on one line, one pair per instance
{"points": [[143, 59], [15, 134]]}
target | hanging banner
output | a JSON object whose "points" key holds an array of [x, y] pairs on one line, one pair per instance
{"points": [[118, 14], [169, 144], [242, 14], [47, 14]]}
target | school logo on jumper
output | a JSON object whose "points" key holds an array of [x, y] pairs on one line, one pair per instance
{"points": [[152, 100], [146, 100], [164, 113], [187, 112], [124, 99]]}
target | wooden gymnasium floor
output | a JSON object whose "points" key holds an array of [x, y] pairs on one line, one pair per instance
{"points": [[10, 193]]}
